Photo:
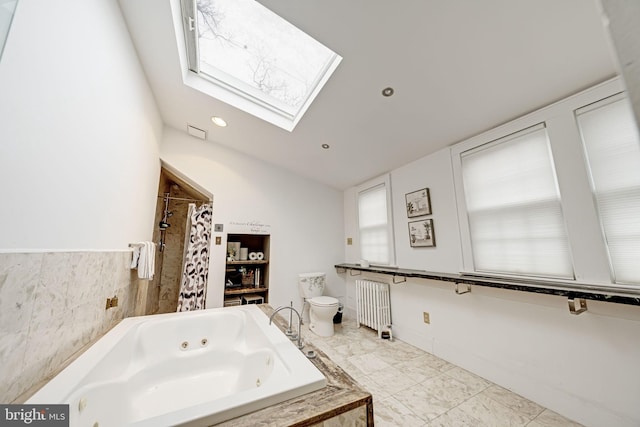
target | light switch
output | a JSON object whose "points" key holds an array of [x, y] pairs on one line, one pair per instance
{"points": [[218, 240]]}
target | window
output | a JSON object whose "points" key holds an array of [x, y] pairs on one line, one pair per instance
{"points": [[555, 195], [7, 9], [254, 56], [514, 214], [374, 222], [612, 148]]}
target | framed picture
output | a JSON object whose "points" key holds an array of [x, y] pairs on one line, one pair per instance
{"points": [[421, 233], [418, 203]]}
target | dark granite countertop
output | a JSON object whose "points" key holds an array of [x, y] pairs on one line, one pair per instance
{"points": [[341, 394], [613, 294]]}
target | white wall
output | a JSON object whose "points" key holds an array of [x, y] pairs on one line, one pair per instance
{"points": [[584, 367], [445, 256], [79, 167], [304, 219], [78, 142]]}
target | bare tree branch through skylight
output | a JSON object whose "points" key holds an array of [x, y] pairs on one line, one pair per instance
{"points": [[245, 40]]}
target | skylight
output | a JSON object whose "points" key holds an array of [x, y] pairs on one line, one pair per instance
{"points": [[257, 61], [7, 9]]}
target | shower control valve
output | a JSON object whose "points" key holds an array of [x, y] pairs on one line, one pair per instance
{"points": [[112, 302]]}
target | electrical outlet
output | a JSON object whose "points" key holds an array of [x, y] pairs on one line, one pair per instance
{"points": [[218, 240], [349, 241], [425, 317]]}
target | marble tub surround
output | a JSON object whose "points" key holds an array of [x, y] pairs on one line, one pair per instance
{"points": [[343, 402], [51, 305], [413, 388]]}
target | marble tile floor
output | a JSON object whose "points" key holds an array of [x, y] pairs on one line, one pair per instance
{"points": [[413, 388]]}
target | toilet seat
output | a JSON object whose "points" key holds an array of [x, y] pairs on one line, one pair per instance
{"points": [[323, 301]]}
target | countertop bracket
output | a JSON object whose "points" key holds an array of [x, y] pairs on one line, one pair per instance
{"points": [[572, 305], [401, 281], [465, 291]]}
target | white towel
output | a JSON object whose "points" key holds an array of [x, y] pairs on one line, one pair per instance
{"points": [[136, 255], [144, 258], [151, 259]]}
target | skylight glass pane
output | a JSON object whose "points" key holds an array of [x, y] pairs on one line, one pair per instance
{"points": [[244, 45]]}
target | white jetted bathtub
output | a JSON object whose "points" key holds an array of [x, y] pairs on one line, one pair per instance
{"points": [[195, 368]]}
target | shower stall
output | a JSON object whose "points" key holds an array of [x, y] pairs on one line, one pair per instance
{"points": [[170, 233]]}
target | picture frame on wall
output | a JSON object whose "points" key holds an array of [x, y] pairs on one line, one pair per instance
{"points": [[418, 203], [421, 233]]}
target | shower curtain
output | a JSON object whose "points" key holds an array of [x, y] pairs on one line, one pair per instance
{"points": [[195, 267]]}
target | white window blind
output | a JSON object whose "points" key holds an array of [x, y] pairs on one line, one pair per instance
{"points": [[612, 147], [373, 224], [513, 206]]}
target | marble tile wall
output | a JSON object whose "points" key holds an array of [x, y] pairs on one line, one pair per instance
{"points": [[51, 305], [354, 418]]}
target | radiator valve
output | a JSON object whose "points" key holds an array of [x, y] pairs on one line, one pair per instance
{"points": [[386, 333]]}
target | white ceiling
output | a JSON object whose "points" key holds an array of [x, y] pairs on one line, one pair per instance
{"points": [[458, 67]]}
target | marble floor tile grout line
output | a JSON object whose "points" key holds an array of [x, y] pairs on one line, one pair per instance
{"points": [[417, 388]]}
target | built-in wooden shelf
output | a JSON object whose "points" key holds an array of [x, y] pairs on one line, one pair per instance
{"points": [[243, 290], [248, 262], [246, 274]]}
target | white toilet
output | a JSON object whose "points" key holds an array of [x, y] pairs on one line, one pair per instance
{"points": [[321, 308]]}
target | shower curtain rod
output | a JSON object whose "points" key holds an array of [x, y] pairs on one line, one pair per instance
{"points": [[184, 199]]}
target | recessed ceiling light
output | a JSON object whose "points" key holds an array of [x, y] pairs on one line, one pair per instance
{"points": [[387, 91], [218, 121], [325, 146]]}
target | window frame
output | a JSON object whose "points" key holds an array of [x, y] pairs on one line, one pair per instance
{"points": [[613, 98], [586, 244], [246, 99], [4, 30], [384, 180], [505, 140]]}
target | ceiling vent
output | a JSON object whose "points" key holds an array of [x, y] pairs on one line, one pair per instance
{"points": [[198, 133]]}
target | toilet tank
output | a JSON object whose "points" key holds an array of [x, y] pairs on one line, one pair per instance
{"points": [[311, 285]]}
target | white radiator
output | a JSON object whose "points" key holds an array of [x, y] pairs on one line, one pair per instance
{"points": [[373, 305]]}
